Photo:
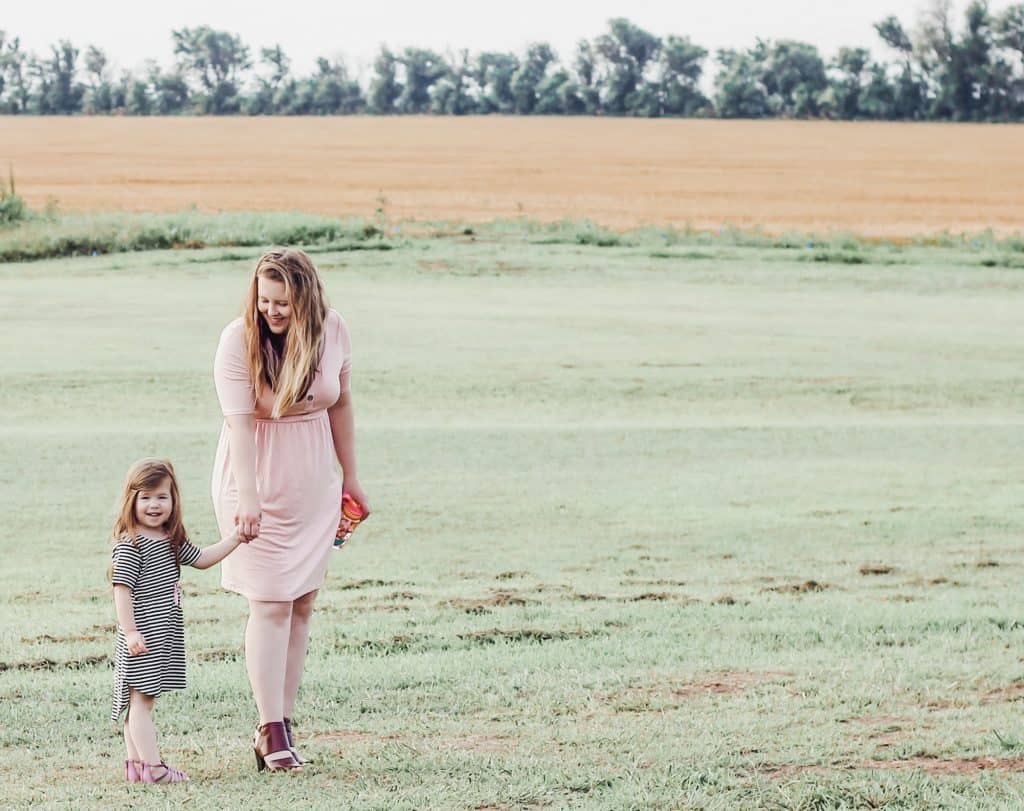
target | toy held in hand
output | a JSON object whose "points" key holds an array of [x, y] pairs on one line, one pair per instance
{"points": [[351, 516]]}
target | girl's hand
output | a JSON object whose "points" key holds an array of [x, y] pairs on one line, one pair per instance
{"points": [[136, 643], [354, 490], [247, 518]]}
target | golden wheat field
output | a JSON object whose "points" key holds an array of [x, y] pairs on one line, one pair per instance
{"points": [[881, 179]]}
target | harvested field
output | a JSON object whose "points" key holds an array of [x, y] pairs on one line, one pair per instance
{"points": [[873, 179]]}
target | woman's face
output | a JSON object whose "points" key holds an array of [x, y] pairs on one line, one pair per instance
{"points": [[272, 302]]}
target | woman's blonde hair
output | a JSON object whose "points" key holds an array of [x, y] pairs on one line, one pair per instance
{"points": [[148, 474], [288, 370]]}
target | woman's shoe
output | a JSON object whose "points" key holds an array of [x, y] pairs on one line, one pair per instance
{"points": [[291, 742], [168, 775], [272, 750], [131, 771]]}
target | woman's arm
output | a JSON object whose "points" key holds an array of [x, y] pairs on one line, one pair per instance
{"points": [[126, 619], [343, 432], [214, 553], [242, 442]]}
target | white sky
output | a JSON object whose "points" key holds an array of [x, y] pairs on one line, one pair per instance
{"points": [[132, 31]]}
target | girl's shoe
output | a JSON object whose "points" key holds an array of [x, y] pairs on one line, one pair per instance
{"points": [[168, 775], [291, 742], [131, 771], [272, 750]]}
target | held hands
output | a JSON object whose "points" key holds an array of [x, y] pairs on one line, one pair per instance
{"points": [[136, 643]]}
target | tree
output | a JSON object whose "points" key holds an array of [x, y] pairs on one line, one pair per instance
{"points": [[384, 87], [492, 73], [680, 64], [333, 91], [627, 50], [585, 68], [100, 95], [168, 91], [909, 90], [215, 59], [739, 92], [422, 68], [450, 94], [529, 75], [263, 100], [793, 75], [60, 92]]}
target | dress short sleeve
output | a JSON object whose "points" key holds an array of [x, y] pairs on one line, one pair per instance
{"points": [[189, 553], [127, 560], [231, 373], [345, 342]]}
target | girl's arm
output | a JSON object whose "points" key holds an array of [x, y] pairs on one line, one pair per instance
{"points": [[242, 442], [214, 553], [126, 619], [343, 432]]}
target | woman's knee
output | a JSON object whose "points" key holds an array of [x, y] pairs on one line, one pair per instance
{"points": [[302, 608], [274, 613]]}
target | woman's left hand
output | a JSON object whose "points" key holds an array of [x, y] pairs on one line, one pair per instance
{"points": [[355, 491]]}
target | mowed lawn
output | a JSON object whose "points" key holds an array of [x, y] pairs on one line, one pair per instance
{"points": [[716, 529]]}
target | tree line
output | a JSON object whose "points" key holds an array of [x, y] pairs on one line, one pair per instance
{"points": [[937, 70]]}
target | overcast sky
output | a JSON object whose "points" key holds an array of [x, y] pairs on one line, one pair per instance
{"points": [[131, 32]]}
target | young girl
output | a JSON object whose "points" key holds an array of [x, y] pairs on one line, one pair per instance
{"points": [[150, 544]]}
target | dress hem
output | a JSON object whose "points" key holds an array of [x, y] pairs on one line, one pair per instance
{"points": [[271, 599]]}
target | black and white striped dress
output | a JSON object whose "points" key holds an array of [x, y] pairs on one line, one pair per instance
{"points": [[148, 568]]}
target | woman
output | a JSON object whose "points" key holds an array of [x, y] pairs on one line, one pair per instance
{"points": [[282, 377]]}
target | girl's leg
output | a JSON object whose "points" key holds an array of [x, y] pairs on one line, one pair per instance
{"points": [[298, 642], [129, 743], [139, 727], [266, 640]]}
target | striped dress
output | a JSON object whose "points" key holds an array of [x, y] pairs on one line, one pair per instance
{"points": [[149, 570]]}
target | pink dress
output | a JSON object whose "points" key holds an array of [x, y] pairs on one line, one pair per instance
{"points": [[297, 473]]}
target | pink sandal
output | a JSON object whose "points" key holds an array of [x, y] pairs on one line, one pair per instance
{"points": [[131, 771], [169, 776]]}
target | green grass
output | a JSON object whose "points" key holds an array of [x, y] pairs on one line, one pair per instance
{"points": [[623, 506]]}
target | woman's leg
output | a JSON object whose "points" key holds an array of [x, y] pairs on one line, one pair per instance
{"points": [[139, 727], [266, 639], [298, 642]]}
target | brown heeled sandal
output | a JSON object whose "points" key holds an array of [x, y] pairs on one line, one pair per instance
{"points": [[291, 743], [272, 750]]}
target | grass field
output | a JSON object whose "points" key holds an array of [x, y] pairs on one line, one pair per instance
{"points": [[678, 529], [875, 179]]}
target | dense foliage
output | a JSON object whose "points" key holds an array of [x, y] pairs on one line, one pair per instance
{"points": [[974, 72]]}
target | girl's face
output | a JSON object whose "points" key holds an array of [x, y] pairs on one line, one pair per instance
{"points": [[153, 507], [272, 302]]}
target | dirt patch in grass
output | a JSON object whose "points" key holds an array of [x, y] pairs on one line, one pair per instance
{"points": [[483, 605], [668, 695], [217, 655], [499, 744], [875, 568], [588, 596], [85, 637], [53, 664], [658, 596], [640, 581], [807, 587], [511, 575], [728, 599], [494, 635], [1012, 692], [987, 564], [368, 583], [936, 765], [900, 598]]}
